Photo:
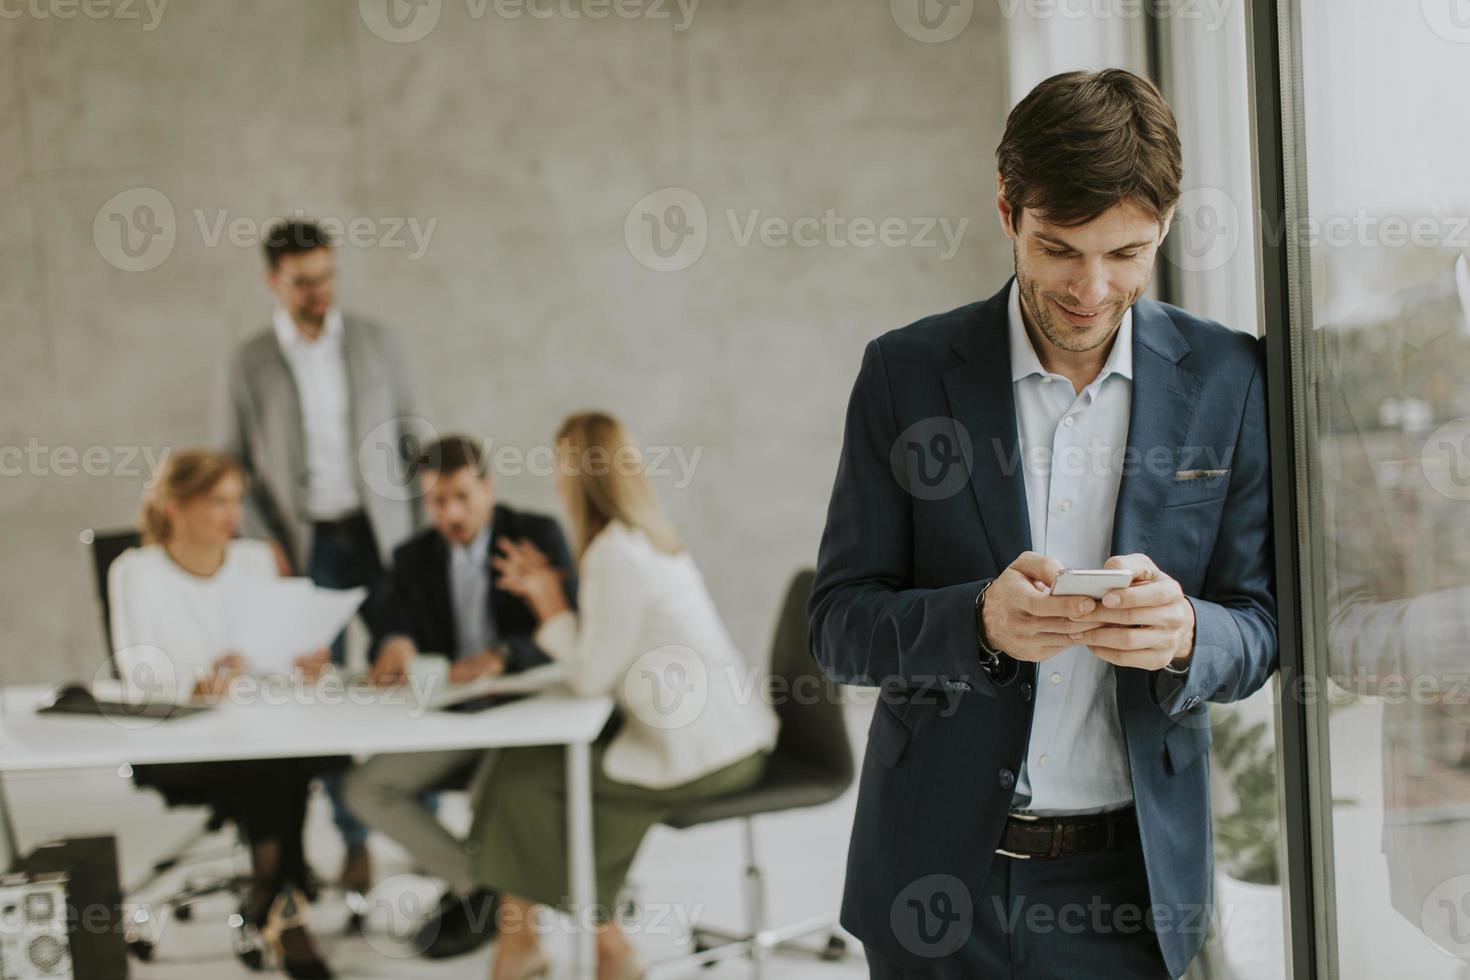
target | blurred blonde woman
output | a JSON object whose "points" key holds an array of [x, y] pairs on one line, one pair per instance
{"points": [[169, 603], [692, 724]]}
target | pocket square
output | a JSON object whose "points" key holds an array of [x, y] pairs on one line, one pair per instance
{"points": [[1184, 475]]}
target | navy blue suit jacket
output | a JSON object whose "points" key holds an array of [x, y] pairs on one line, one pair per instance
{"points": [[929, 504]]}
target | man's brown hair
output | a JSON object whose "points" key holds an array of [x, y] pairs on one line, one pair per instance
{"points": [[1083, 141], [452, 454]]}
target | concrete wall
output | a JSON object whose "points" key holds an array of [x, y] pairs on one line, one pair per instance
{"points": [[528, 142]]}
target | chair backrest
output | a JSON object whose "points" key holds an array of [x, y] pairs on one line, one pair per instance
{"points": [[809, 704], [106, 547]]}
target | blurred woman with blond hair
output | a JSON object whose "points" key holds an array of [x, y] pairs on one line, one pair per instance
{"points": [[692, 725], [170, 602]]}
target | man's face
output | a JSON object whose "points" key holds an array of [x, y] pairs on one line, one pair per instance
{"points": [[458, 503], [304, 284], [1077, 282]]}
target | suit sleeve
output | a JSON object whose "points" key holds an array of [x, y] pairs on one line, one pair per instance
{"points": [[387, 612], [232, 425], [522, 652], [1235, 649], [868, 624]]}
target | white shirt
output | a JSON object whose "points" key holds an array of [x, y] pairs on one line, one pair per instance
{"points": [[169, 625], [469, 584], [649, 635], [320, 370], [1072, 448]]}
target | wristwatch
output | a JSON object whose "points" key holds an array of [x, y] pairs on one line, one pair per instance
{"points": [[989, 655]]}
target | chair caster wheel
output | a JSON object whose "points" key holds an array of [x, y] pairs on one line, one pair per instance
{"points": [[701, 945], [836, 949], [184, 913], [142, 949], [356, 924]]}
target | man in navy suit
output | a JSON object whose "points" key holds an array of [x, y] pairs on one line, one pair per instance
{"points": [[1035, 795]]}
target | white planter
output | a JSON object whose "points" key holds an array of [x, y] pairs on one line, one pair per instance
{"points": [[1252, 937]]}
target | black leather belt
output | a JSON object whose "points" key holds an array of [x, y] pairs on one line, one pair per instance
{"points": [[341, 525], [1028, 836]]}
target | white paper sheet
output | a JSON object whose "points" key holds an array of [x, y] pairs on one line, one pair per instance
{"points": [[274, 621]]}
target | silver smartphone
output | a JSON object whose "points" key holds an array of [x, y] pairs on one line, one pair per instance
{"points": [[1091, 582]]}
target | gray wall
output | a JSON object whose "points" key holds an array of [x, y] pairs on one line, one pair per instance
{"points": [[527, 141]]}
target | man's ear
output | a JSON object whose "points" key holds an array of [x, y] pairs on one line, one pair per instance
{"points": [[1003, 208]]}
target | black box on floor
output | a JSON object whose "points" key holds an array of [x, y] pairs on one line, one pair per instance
{"points": [[94, 902]]}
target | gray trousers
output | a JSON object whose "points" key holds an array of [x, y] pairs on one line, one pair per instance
{"points": [[384, 794]]}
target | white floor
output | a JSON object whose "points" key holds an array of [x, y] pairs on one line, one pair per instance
{"points": [[679, 876]]}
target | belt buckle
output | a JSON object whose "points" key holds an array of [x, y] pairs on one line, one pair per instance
{"points": [[1016, 815]]}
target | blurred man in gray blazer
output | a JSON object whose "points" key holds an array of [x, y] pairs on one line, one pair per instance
{"points": [[319, 411]]}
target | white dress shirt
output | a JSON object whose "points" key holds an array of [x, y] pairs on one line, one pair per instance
{"points": [[469, 585], [1072, 448], [649, 635], [169, 626], [320, 370]]}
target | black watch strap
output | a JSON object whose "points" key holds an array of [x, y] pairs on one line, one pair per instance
{"points": [[989, 655]]}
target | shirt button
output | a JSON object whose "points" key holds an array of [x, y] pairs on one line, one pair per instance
{"points": [[1065, 505], [1006, 778], [1044, 759], [1068, 421], [1056, 678]]}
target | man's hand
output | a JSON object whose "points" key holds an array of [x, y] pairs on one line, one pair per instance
{"points": [[1023, 621], [391, 667], [486, 663], [1149, 624], [313, 665]]}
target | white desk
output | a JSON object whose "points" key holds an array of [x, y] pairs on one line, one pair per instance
{"points": [[323, 723]]}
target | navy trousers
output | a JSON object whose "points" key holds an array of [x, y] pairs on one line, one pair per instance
{"points": [[1084, 915]]}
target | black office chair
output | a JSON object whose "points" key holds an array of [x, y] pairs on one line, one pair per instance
{"points": [[106, 547], [812, 764]]}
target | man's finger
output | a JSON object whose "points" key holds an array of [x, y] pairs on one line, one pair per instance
{"points": [[1142, 566], [1058, 606], [1122, 638], [1037, 567], [1064, 625], [1159, 592]]}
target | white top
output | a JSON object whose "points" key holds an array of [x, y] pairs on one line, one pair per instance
{"points": [[168, 625], [1072, 447], [649, 635], [320, 370]]}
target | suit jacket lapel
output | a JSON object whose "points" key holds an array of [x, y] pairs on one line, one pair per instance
{"points": [[442, 606], [1164, 396], [981, 400]]}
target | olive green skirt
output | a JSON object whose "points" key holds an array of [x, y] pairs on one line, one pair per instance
{"points": [[521, 822]]}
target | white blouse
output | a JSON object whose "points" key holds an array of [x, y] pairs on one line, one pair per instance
{"points": [[168, 625], [648, 634]]}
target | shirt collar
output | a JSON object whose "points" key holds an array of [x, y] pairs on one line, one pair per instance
{"points": [[291, 337], [477, 551], [1025, 363]]}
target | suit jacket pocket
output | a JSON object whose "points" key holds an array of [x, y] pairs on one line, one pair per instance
{"points": [[1198, 486], [888, 736], [1185, 744]]}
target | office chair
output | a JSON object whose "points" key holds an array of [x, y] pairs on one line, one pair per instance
{"points": [[106, 547], [812, 764]]}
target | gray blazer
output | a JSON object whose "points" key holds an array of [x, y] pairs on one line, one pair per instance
{"points": [[260, 424]]}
